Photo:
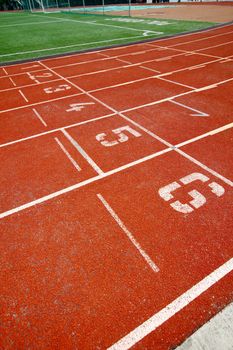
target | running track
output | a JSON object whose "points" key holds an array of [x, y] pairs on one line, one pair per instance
{"points": [[116, 194]]}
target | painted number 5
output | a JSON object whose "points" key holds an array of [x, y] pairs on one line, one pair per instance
{"points": [[122, 137], [198, 200]]}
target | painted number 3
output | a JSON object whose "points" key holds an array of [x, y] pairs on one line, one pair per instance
{"points": [[198, 200]]}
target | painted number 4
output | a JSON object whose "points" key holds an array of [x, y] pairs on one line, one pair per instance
{"points": [[122, 137], [198, 200]]}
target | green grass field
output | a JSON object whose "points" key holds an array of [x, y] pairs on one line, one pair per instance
{"points": [[25, 35]]}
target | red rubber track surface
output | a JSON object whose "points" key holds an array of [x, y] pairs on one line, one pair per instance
{"points": [[116, 194]]}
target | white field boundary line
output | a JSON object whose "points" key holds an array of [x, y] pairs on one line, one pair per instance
{"points": [[29, 23], [110, 25], [81, 184], [74, 45], [130, 236], [75, 164], [173, 308]]}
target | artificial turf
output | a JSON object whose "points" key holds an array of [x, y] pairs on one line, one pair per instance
{"points": [[33, 35]]}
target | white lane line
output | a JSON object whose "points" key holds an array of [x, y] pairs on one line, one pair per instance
{"points": [[81, 184], [40, 103], [4, 71], [12, 81], [130, 236], [39, 117], [197, 112], [203, 166], [24, 97], [201, 39], [175, 82], [212, 47], [77, 167], [82, 152], [152, 70], [173, 308], [210, 133], [57, 129]]}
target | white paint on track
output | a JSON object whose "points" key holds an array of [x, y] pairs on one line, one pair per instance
{"points": [[173, 308], [39, 117], [75, 164], [82, 152], [130, 236]]}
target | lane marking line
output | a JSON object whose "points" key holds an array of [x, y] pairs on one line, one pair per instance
{"points": [[152, 70], [198, 113], [24, 97], [54, 130], [40, 103], [175, 82], [201, 39], [173, 308], [77, 167], [82, 152], [39, 117], [4, 71], [80, 184], [130, 236], [12, 81], [203, 166], [210, 133]]}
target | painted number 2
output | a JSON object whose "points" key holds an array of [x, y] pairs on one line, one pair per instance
{"points": [[122, 137], [198, 200]]}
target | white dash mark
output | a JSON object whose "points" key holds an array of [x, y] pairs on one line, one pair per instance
{"points": [[198, 113], [77, 167], [173, 308], [82, 152], [24, 97], [4, 71], [39, 117], [12, 81], [150, 262]]}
